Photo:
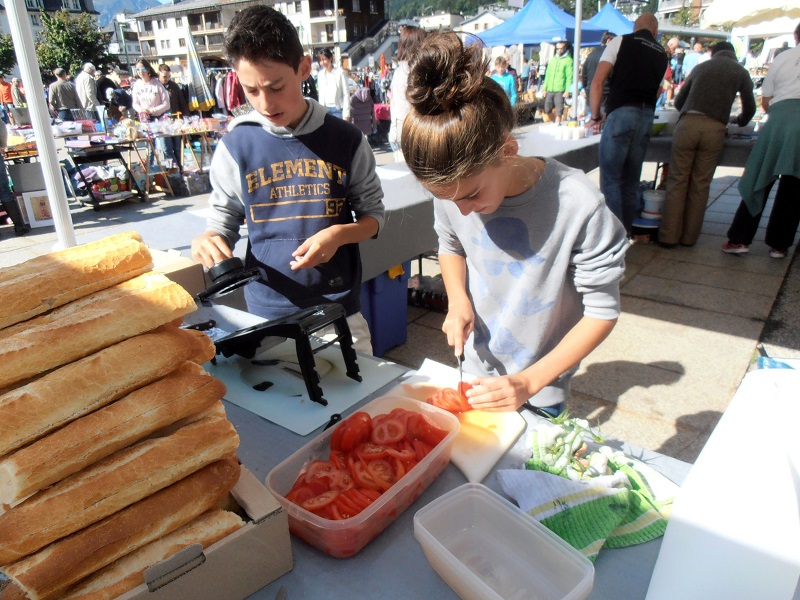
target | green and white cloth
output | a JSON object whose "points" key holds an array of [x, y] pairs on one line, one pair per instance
{"points": [[617, 502]]}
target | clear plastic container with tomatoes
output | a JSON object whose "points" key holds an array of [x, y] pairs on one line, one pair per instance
{"points": [[346, 537]]}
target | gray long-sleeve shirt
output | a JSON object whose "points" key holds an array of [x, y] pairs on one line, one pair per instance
{"points": [[712, 87]]}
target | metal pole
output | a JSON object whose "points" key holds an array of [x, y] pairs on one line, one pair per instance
{"points": [[337, 53], [576, 57], [22, 36], [124, 46]]}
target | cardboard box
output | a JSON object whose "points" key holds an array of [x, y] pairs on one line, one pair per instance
{"points": [[184, 271], [233, 568]]}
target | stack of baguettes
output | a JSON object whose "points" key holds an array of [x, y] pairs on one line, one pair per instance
{"points": [[115, 451]]}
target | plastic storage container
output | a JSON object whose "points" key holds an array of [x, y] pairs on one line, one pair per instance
{"points": [[384, 304], [486, 548], [345, 538]]}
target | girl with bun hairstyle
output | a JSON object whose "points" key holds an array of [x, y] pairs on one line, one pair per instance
{"points": [[530, 255]]}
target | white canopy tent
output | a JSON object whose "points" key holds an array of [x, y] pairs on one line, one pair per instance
{"points": [[741, 13], [22, 37]]}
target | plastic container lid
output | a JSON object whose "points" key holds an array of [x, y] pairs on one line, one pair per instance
{"points": [[486, 548]]}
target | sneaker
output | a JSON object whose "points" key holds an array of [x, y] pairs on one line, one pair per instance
{"points": [[773, 253], [732, 248]]}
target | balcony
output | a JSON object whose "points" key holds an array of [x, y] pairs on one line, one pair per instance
{"points": [[147, 33], [325, 14], [665, 5]]}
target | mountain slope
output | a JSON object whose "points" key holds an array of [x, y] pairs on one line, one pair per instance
{"points": [[109, 8]]}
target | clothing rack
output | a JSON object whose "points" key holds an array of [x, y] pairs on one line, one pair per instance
{"points": [[215, 69]]}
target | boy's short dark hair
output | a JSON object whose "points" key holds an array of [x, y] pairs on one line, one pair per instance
{"points": [[260, 33], [720, 46]]}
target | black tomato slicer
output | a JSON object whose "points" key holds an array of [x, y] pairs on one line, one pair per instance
{"points": [[230, 275]]}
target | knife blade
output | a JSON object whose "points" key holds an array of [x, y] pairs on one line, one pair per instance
{"points": [[460, 370]]}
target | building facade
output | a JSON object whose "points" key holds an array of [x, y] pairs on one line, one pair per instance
{"points": [[319, 23]]}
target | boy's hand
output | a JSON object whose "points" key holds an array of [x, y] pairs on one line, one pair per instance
{"points": [[458, 325], [210, 248], [317, 249], [498, 394]]}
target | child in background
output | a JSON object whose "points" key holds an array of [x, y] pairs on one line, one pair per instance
{"points": [[530, 255], [303, 180]]}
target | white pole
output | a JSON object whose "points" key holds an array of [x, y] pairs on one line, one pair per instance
{"points": [[22, 36], [576, 65], [337, 53]]}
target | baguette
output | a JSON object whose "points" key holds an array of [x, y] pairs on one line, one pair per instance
{"points": [[183, 392], [50, 281], [217, 409], [127, 572], [49, 572], [111, 485], [87, 325], [29, 412]]}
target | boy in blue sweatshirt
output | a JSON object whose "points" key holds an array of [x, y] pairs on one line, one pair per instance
{"points": [[304, 182]]}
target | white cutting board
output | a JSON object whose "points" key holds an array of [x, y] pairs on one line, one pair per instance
{"points": [[734, 531], [484, 437]]}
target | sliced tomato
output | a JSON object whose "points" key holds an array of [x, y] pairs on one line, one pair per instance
{"points": [[317, 502], [347, 507], [300, 494], [450, 400], [402, 450], [362, 477], [338, 459], [370, 451], [422, 449], [399, 468], [382, 473], [422, 428], [359, 497], [358, 430], [319, 468], [389, 431], [341, 480], [370, 493]]}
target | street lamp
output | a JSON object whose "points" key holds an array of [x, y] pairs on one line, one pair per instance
{"points": [[121, 35]]}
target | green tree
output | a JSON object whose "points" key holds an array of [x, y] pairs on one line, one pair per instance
{"points": [[588, 7], [683, 17], [68, 42], [7, 56]]}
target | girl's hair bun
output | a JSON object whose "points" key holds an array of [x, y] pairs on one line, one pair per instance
{"points": [[445, 75]]}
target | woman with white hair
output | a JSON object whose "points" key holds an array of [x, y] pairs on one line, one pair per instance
{"points": [[18, 94]]}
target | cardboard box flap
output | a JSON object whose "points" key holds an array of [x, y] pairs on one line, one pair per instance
{"points": [[258, 506], [180, 563]]}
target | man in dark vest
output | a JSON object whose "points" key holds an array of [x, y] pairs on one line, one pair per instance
{"points": [[639, 63]]}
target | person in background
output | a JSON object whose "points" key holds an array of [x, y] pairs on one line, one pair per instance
{"points": [[305, 244], [411, 38], [590, 68], [179, 108], [557, 80], [505, 79], [512, 71], [309, 87], [774, 157], [530, 255], [639, 63], [18, 93], [150, 101], [7, 199], [105, 85], [784, 47], [150, 98], [5, 92], [704, 102], [332, 87], [87, 88], [63, 96], [526, 74], [692, 59]]}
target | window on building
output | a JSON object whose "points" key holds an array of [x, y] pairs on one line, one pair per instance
{"points": [[71, 4], [182, 42], [36, 21], [215, 39], [165, 44], [34, 4], [356, 6], [373, 7], [213, 20], [298, 7], [162, 24]]}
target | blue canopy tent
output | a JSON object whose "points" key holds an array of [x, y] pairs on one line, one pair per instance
{"points": [[539, 21], [610, 19]]}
